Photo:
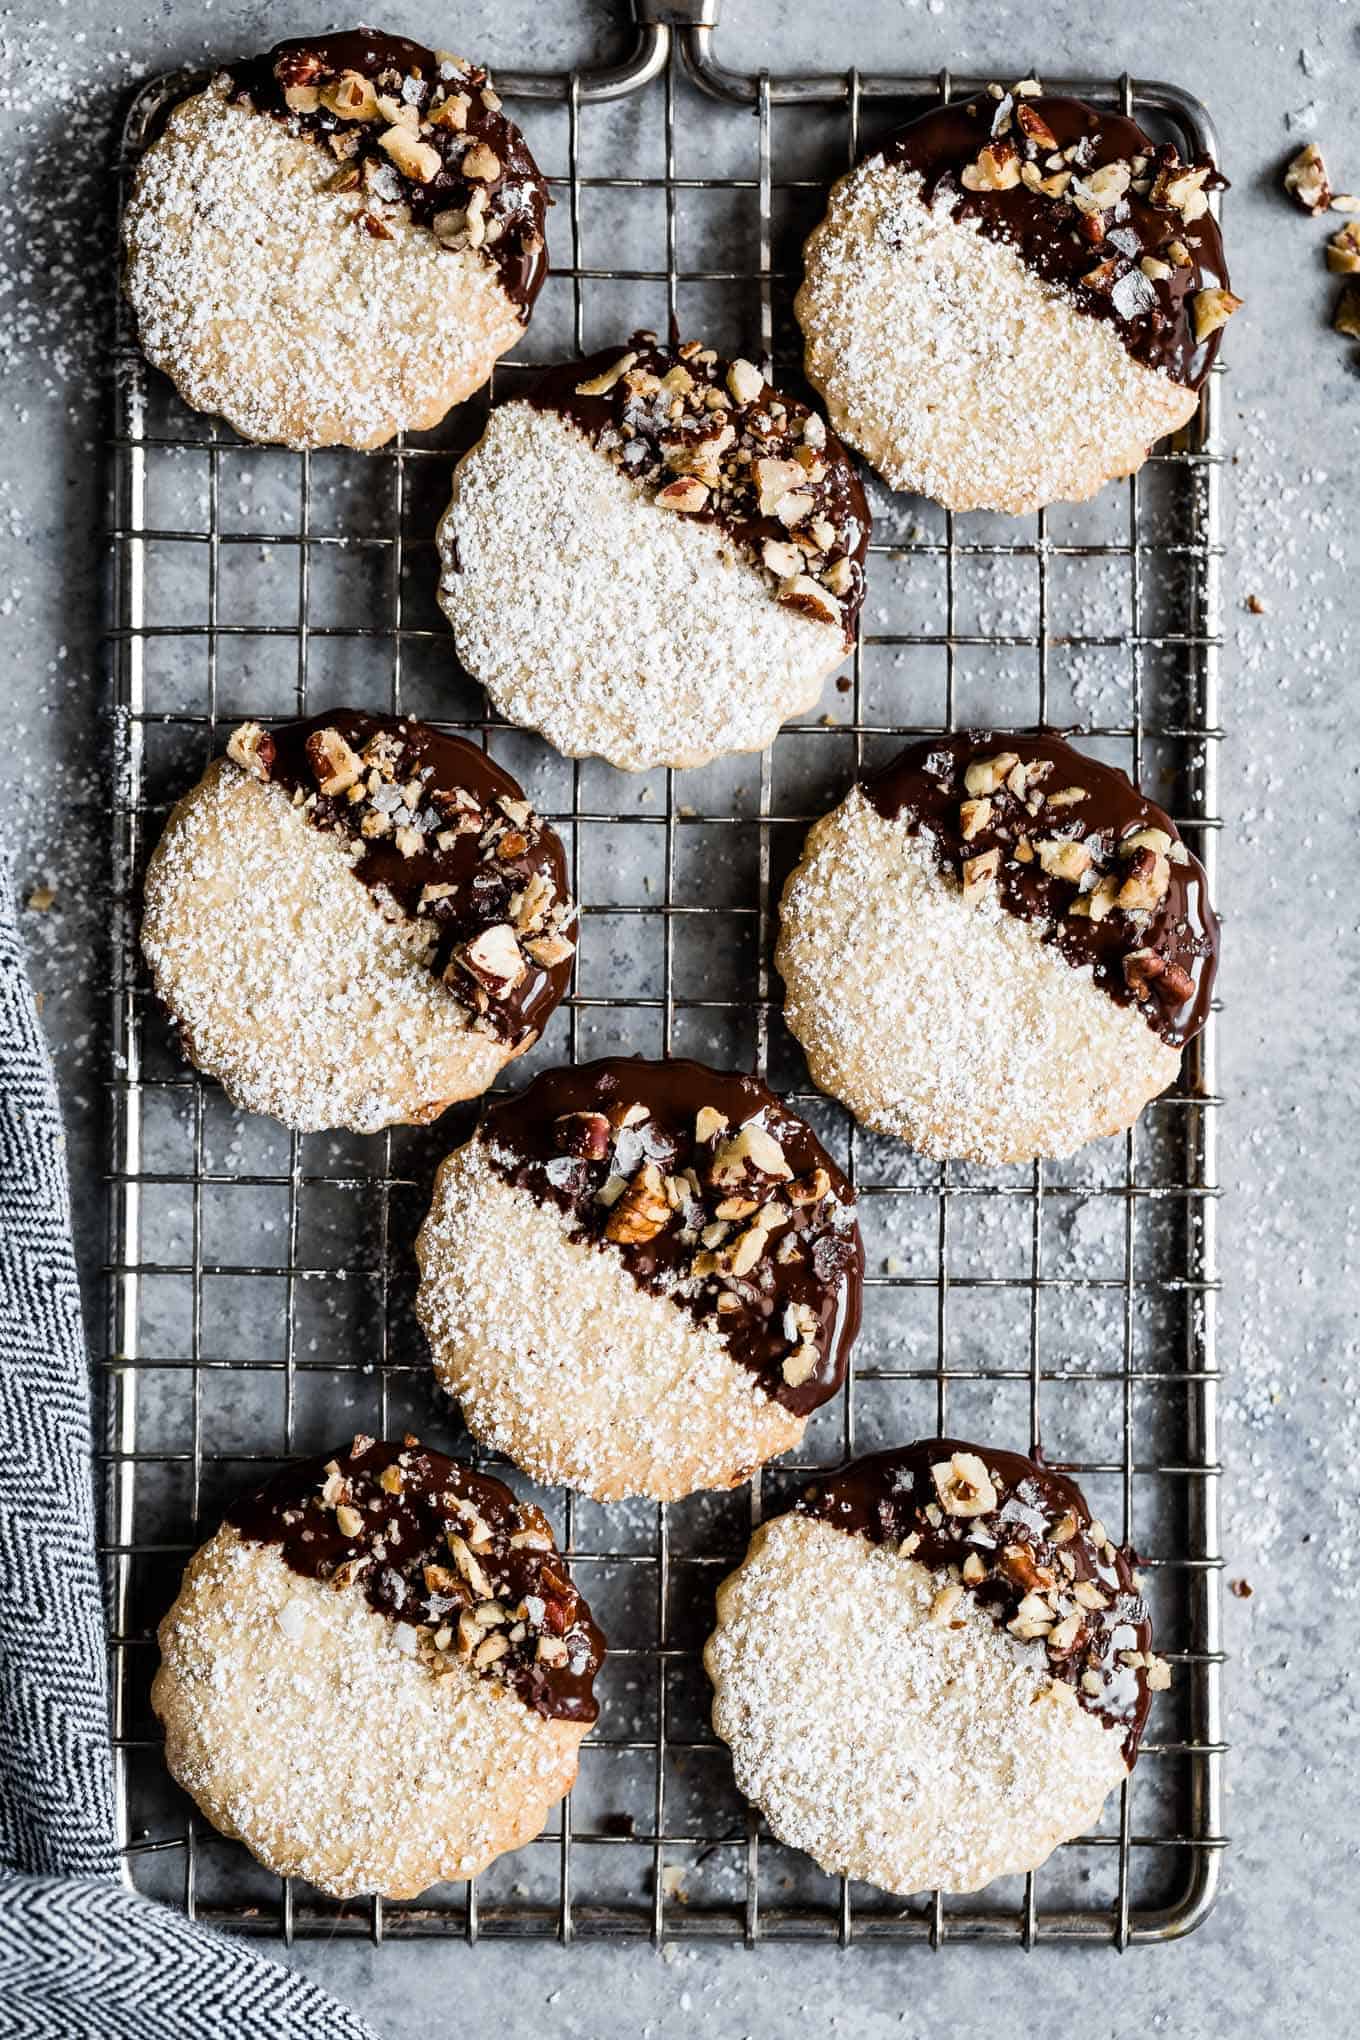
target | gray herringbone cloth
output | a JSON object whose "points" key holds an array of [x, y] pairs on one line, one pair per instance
{"points": [[81, 1956]]}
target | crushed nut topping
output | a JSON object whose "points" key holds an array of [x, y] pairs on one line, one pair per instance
{"points": [[446, 841], [1064, 840], [1213, 308], [1090, 203], [710, 439], [1343, 249], [464, 1571], [712, 1194], [1020, 1540], [420, 135], [1346, 317], [1306, 180]]}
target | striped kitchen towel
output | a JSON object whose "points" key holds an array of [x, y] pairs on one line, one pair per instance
{"points": [[81, 1955]]}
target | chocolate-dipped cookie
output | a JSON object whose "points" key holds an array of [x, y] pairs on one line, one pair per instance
{"points": [[1013, 298], [378, 1674], [639, 1278], [934, 1668], [996, 949], [356, 920], [336, 241], [654, 556]]}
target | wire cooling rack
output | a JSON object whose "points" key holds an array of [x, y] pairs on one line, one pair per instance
{"points": [[260, 1283]]}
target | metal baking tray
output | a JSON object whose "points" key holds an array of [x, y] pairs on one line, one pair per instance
{"points": [[260, 1283]]}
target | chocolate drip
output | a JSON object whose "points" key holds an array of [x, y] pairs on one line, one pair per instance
{"points": [[430, 1542], [575, 1137], [445, 838], [515, 198], [1161, 958], [1030, 1541], [657, 429], [1096, 255]]}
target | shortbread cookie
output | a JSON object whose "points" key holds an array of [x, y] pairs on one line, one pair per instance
{"points": [[356, 920], [996, 948], [335, 242], [1012, 299], [377, 1675], [639, 1278], [654, 556], [934, 1669]]}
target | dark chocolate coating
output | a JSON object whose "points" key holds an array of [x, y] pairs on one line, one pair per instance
{"points": [[535, 1140], [891, 1496], [517, 198], [1153, 318], [401, 1555], [1172, 991], [633, 427], [483, 882]]}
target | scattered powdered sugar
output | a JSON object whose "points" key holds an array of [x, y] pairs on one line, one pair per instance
{"points": [[958, 372], [914, 1752], [1291, 1356], [612, 625], [262, 298], [302, 1721], [563, 1363], [288, 982], [949, 1022]]}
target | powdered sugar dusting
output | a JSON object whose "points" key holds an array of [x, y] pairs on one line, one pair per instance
{"points": [[613, 626], [288, 982], [262, 298], [563, 1363], [913, 1752], [955, 369], [303, 1723], [948, 1022]]}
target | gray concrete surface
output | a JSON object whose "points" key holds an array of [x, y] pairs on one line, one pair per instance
{"points": [[1274, 1957]]}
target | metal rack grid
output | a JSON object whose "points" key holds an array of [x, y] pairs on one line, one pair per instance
{"points": [[1082, 1294]]}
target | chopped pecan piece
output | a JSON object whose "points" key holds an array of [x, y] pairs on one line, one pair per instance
{"points": [[642, 1211], [751, 1148], [810, 599], [688, 494], [549, 950], [964, 1485], [1145, 887], [1212, 309], [252, 749], [1343, 250], [418, 160], [335, 766], [745, 381], [600, 385], [986, 775], [1182, 188], [996, 169], [1034, 127], [980, 872], [774, 480], [493, 958], [350, 97], [482, 163], [1019, 1564], [1061, 857], [1306, 179], [1346, 317]]}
